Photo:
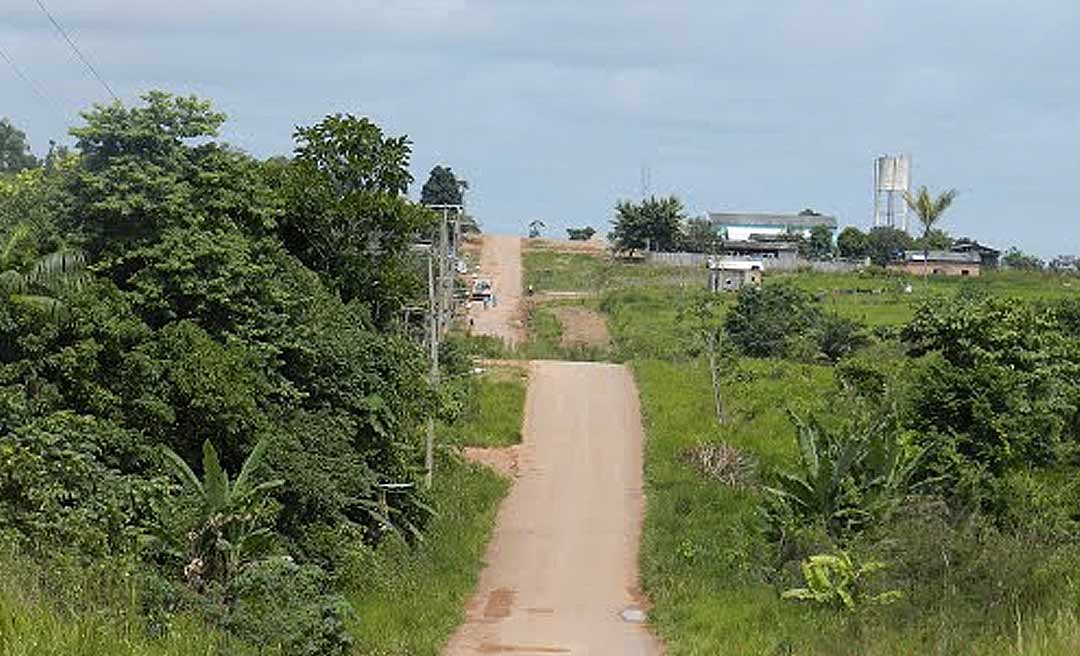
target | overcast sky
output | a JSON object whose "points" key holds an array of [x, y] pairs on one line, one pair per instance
{"points": [[551, 109]]}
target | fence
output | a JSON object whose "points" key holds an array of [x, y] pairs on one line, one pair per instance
{"points": [[769, 263]]}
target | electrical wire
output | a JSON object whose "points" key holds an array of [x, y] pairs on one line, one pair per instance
{"points": [[75, 49], [24, 77], [46, 99]]}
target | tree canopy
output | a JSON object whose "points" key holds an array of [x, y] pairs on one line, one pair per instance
{"points": [[654, 223], [15, 152], [443, 188]]}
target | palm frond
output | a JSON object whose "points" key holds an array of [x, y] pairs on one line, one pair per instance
{"points": [[64, 269]]}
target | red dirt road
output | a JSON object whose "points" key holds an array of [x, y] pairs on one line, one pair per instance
{"points": [[562, 565], [500, 261]]}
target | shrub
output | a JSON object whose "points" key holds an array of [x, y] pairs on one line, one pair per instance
{"points": [[765, 322], [60, 488], [723, 463], [278, 603]]}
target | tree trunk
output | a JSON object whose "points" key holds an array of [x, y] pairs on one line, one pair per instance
{"points": [[714, 370]]}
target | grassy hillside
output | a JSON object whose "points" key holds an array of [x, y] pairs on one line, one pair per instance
{"points": [[709, 565]]}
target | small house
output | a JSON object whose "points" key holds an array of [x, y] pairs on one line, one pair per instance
{"points": [[939, 263], [727, 275]]}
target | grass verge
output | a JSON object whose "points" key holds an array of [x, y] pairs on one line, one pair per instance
{"points": [[494, 410], [410, 599]]}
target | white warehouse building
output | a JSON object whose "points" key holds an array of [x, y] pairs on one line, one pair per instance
{"points": [[749, 227]]}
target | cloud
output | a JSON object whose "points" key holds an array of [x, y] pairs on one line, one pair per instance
{"points": [[552, 108]]}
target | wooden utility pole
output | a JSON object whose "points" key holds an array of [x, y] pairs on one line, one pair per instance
{"points": [[433, 345]]}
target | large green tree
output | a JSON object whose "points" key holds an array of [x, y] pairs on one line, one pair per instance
{"points": [[884, 243], [654, 224], [15, 152], [346, 215], [443, 188], [852, 243]]}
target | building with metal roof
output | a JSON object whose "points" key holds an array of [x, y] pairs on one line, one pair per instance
{"points": [[744, 226]]}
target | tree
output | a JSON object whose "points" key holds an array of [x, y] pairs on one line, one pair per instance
{"points": [[820, 244], [15, 152], [581, 234], [225, 532], [768, 322], [705, 317], [884, 243], [929, 210], [935, 240], [536, 228], [47, 279], [852, 243], [1014, 258], [700, 236], [655, 224], [443, 188], [346, 215]]}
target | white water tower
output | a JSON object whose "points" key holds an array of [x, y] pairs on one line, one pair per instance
{"points": [[892, 180]]}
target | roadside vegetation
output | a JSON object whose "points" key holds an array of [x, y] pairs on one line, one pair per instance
{"points": [[857, 471], [865, 463], [211, 407]]}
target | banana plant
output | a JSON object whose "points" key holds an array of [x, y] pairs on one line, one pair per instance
{"points": [[825, 463], [835, 580], [227, 531]]}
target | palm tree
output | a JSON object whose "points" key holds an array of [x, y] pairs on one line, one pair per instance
{"points": [[47, 279], [929, 211], [536, 228]]}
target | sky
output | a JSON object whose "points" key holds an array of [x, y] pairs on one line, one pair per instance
{"points": [[554, 109]]}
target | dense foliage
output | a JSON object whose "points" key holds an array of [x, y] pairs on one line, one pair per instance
{"points": [[785, 321], [238, 316], [443, 188], [653, 224]]}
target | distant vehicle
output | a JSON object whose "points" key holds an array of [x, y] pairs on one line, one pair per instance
{"points": [[482, 290]]}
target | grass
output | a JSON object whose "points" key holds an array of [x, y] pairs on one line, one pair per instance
{"points": [[703, 555], [494, 410], [94, 616], [409, 599]]}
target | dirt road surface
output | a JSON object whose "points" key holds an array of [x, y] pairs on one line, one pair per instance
{"points": [[500, 260], [562, 565]]}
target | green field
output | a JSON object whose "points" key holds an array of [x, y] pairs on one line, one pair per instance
{"points": [[706, 563]]}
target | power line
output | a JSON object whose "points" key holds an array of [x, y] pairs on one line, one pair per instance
{"points": [[24, 77], [45, 98], [78, 53]]}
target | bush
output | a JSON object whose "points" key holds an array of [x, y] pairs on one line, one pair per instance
{"points": [[278, 603], [766, 322], [60, 488]]}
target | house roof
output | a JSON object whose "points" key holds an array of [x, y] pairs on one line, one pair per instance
{"points": [[942, 256], [970, 245], [803, 221]]}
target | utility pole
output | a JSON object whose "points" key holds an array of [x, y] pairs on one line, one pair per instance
{"points": [[433, 345], [441, 274]]}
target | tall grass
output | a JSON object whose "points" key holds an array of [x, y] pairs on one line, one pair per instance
{"points": [[90, 613], [494, 409], [409, 599]]}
